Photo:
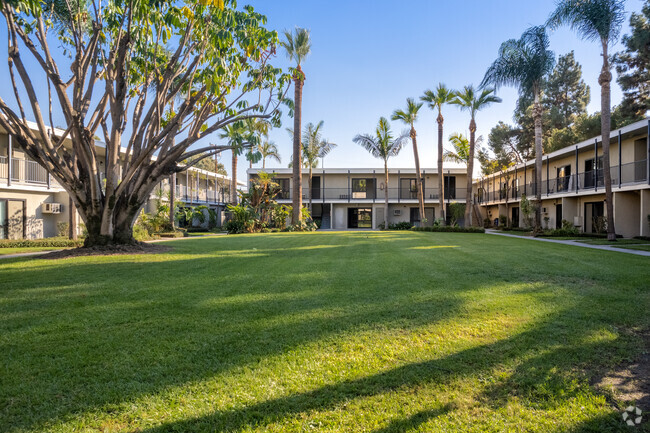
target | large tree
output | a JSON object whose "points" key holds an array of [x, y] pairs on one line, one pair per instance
{"points": [[473, 101], [566, 95], [504, 144], [382, 145], [153, 78], [409, 117], [297, 46], [597, 20], [436, 99], [523, 63], [633, 66]]}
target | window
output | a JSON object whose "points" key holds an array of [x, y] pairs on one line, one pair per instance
{"points": [[563, 177], [450, 187], [359, 218], [591, 171], [285, 191], [408, 188], [363, 188]]}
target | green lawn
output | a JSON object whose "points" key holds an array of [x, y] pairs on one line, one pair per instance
{"points": [[339, 332], [7, 251]]}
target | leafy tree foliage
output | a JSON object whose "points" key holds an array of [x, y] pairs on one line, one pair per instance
{"points": [[153, 78], [633, 66]]}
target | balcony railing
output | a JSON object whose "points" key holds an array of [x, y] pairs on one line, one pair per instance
{"points": [[373, 195], [24, 171], [194, 195], [593, 180]]}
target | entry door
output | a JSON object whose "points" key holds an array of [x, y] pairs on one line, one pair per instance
{"points": [[315, 187], [515, 217], [3, 219], [415, 216], [15, 219], [594, 212], [558, 216]]}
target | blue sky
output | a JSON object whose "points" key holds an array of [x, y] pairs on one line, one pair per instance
{"points": [[369, 56]]}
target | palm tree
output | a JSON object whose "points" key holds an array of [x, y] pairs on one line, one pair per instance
{"points": [[257, 128], [524, 63], [313, 148], [409, 117], [597, 20], [436, 100], [268, 149], [470, 100], [382, 145], [460, 154], [236, 135], [297, 46]]}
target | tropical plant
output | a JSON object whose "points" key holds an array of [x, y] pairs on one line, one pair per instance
{"points": [[383, 145], [268, 149], [524, 63], [597, 20], [239, 135], [472, 101], [153, 78], [314, 147], [436, 99], [460, 154], [409, 117], [297, 46], [456, 212]]}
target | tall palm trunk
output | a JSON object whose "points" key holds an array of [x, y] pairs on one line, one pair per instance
{"points": [[605, 127], [386, 194], [470, 173], [418, 179], [441, 175], [537, 117], [297, 151], [263, 162], [233, 182], [310, 179]]}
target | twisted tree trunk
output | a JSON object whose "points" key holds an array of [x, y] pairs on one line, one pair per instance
{"points": [[605, 129]]}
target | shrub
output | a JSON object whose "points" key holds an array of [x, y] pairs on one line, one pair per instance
{"points": [[456, 212], [487, 222], [404, 225], [62, 229], [503, 221], [47, 242], [450, 229], [527, 210]]}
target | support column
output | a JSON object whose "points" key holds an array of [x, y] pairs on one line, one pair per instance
{"points": [[620, 158], [10, 166], [374, 194], [548, 180], [577, 173], [322, 183], [595, 170], [349, 189], [399, 186]]}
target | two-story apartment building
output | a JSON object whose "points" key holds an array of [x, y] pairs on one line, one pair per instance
{"points": [[573, 186], [355, 198], [32, 203]]}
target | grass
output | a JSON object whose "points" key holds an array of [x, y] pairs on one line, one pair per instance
{"points": [[356, 332], [7, 251], [619, 242]]}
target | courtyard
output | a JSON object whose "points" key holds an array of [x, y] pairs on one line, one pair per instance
{"points": [[325, 331]]}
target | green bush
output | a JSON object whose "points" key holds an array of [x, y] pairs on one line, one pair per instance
{"points": [[47, 242], [62, 229], [404, 225], [450, 229]]}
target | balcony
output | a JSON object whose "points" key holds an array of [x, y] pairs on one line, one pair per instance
{"points": [[194, 195], [594, 180], [26, 172], [406, 195]]}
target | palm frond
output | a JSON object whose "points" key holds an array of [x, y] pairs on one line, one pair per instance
{"points": [[592, 19]]}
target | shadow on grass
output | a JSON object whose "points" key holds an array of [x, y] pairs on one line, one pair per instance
{"points": [[83, 335]]}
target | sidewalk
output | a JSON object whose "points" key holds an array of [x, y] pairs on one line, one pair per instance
{"points": [[574, 243]]}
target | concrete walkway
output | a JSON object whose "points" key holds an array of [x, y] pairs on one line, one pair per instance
{"points": [[574, 243], [35, 253]]}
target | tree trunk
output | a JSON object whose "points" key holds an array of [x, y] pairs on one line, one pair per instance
{"points": [[263, 162], [233, 182], [418, 179], [172, 200], [470, 173], [297, 149], [386, 195], [72, 225], [441, 175], [605, 129], [310, 178], [537, 117]]}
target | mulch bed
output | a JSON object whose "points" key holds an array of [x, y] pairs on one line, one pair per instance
{"points": [[108, 250]]}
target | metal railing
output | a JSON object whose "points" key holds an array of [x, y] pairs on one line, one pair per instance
{"points": [[194, 195], [373, 195], [591, 180], [24, 171]]}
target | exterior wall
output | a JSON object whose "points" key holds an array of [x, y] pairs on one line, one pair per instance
{"points": [[627, 208], [644, 223]]}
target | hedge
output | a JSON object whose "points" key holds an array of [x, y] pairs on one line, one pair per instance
{"points": [[47, 242], [450, 229]]}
